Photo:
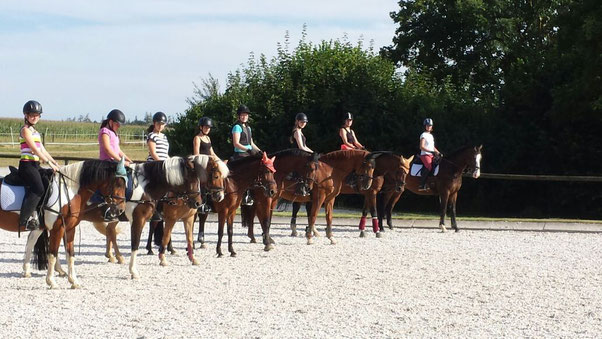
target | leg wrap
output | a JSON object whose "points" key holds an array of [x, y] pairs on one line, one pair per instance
{"points": [[375, 225], [362, 223]]}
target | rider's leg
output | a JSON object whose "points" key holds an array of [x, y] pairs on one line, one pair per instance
{"points": [[28, 170], [427, 160]]}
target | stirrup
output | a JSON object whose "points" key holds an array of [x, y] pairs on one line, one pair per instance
{"points": [[32, 223], [247, 201]]}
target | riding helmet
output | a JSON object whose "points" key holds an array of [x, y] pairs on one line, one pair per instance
{"points": [[348, 116], [117, 116], [32, 106], [206, 121], [242, 109], [428, 122], [160, 117], [301, 117]]}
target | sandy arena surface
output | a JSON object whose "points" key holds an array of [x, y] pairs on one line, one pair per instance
{"points": [[410, 283]]}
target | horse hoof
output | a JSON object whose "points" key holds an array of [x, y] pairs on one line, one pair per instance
{"points": [[268, 247], [362, 234], [112, 260], [233, 254], [62, 274], [391, 227], [173, 252], [195, 262], [443, 229], [76, 286], [164, 263], [150, 252], [203, 245], [120, 260], [253, 241], [332, 241], [135, 276], [272, 241], [294, 234], [26, 274], [219, 255], [379, 235], [310, 241]]}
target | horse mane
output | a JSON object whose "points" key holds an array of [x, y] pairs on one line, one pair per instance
{"points": [[201, 162], [335, 155], [294, 152], [88, 172], [233, 164], [175, 170], [154, 172], [377, 154], [458, 151]]}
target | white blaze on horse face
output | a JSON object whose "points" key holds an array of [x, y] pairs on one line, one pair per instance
{"points": [[477, 171]]}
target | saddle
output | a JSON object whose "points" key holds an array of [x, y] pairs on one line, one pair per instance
{"points": [[417, 167], [14, 188]]}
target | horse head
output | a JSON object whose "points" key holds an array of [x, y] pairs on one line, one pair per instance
{"points": [[212, 171], [365, 172], [306, 184], [265, 178], [475, 167], [402, 172]]}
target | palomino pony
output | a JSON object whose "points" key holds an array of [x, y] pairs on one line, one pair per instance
{"points": [[448, 181], [76, 183], [326, 180], [292, 168], [252, 172]]}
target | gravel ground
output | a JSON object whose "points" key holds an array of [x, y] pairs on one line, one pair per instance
{"points": [[410, 283]]}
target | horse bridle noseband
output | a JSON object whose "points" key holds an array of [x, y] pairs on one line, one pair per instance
{"points": [[260, 183]]}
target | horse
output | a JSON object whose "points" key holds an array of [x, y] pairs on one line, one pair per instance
{"points": [[174, 181], [448, 181], [389, 168], [75, 183], [252, 172], [292, 169], [326, 180]]}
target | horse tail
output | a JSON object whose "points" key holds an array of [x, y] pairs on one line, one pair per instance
{"points": [[158, 234], [380, 205], [247, 214], [282, 205], [40, 251]]}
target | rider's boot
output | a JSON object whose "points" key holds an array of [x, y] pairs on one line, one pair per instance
{"points": [[425, 174], [28, 218]]}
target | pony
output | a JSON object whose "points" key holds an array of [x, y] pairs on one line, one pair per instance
{"points": [[448, 181], [253, 172], [76, 184]]}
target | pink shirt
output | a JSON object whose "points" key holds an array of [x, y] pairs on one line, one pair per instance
{"points": [[113, 142]]}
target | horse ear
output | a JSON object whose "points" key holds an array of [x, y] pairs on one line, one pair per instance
{"points": [[479, 148], [410, 159]]}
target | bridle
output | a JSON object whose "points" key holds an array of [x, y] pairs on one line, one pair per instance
{"points": [[262, 183]]}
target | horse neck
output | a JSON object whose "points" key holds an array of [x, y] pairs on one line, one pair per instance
{"points": [[458, 161], [346, 165], [386, 164], [243, 176]]}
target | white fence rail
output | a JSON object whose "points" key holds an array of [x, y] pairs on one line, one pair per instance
{"points": [[63, 138]]}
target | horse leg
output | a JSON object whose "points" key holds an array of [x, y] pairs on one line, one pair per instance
{"points": [[220, 231], [168, 227], [141, 213], [443, 207], [247, 217], [263, 214], [231, 235], [329, 208], [56, 235], [110, 235], [70, 249], [32, 238], [149, 243], [118, 255], [201, 236], [296, 207], [362, 225], [170, 248], [188, 226], [316, 205], [452, 207], [370, 201]]}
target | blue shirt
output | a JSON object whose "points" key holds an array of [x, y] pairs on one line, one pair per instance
{"points": [[238, 129]]}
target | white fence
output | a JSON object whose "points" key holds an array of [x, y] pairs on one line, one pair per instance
{"points": [[64, 138]]}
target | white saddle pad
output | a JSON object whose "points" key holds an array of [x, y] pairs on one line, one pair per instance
{"points": [[415, 170], [11, 197]]}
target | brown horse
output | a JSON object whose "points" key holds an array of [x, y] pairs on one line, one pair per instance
{"points": [[390, 167], [176, 182], [448, 181], [252, 172], [292, 170], [331, 172], [76, 184]]}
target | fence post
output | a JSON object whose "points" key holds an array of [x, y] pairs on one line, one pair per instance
{"points": [[12, 141]]}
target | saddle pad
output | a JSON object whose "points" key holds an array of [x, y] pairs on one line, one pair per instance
{"points": [[11, 197], [416, 168]]}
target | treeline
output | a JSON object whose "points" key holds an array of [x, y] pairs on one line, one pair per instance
{"points": [[523, 79]]}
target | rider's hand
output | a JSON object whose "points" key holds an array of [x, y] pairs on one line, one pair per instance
{"points": [[54, 167]]}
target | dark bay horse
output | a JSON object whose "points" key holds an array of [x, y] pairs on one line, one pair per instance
{"points": [[449, 180], [333, 170], [389, 167], [252, 172], [292, 170], [79, 182]]}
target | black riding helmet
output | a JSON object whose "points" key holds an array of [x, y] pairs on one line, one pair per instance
{"points": [[242, 109], [117, 116], [32, 106], [160, 117], [206, 121], [348, 116], [301, 117]]}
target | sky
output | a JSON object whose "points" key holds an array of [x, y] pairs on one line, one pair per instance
{"points": [[88, 57]]}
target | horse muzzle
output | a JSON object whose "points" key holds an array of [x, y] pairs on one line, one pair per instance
{"points": [[112, 213], [217, 196]]}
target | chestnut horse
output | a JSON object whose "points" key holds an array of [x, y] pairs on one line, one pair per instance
{"points": [[292, 170], [252, 172], [76, 183], [448, 181], [174, 181]]}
